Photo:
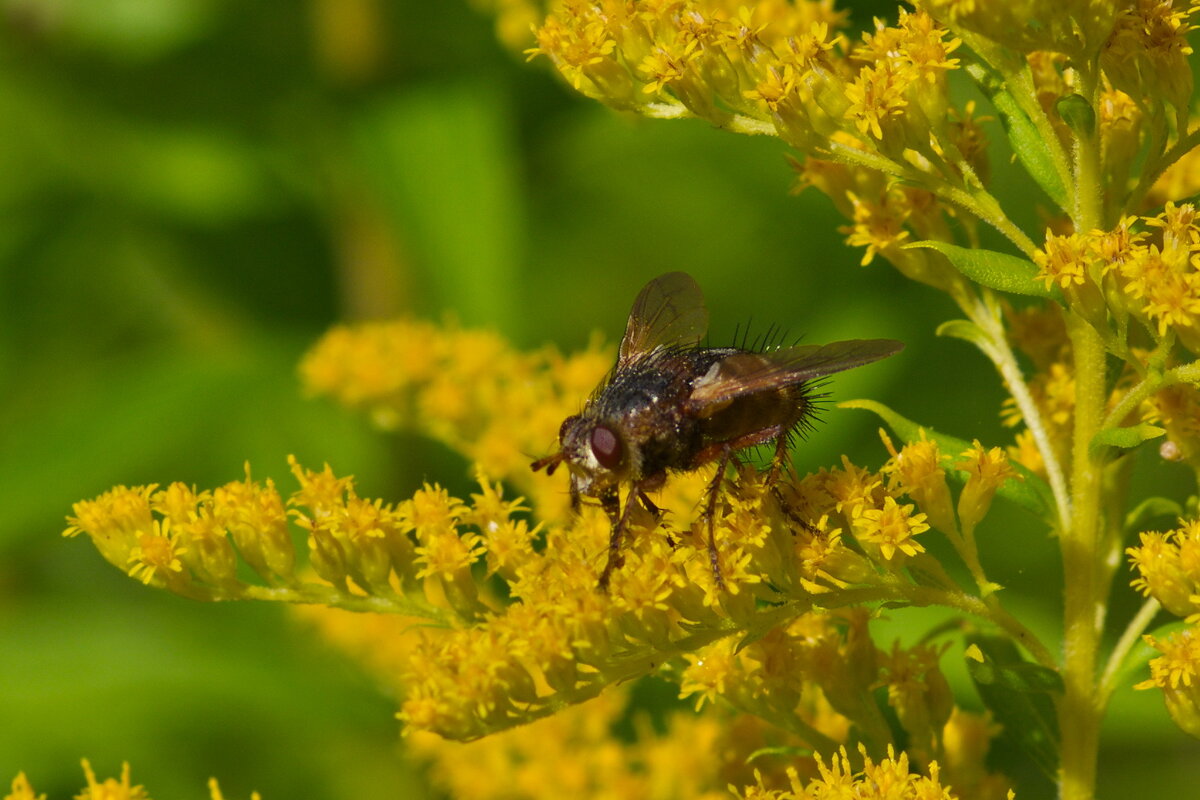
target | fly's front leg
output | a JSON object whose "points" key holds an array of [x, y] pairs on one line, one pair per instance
{"points": [[610, 501]]}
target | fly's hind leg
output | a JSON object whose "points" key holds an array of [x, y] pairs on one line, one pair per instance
{"points": [[713, 492], [780, 465]]}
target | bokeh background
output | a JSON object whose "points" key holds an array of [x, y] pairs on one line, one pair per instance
{"points": [[192, 191]]}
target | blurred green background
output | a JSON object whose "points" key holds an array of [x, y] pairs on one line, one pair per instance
{"points": [[194, 190]]}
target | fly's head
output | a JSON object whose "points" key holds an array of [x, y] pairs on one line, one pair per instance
{"points": [[594, 450]]}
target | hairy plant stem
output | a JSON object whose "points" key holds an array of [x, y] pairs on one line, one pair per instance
{"points": [[1079, 711]]}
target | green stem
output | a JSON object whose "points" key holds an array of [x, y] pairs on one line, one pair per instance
{"points": [[1079, 711], [1130, 637], [319, 594], [969, 604], [987, 316]]}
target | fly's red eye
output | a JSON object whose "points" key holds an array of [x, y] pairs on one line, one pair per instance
{"points": [[606, 447]]}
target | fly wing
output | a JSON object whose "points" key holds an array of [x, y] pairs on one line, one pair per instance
{"points": [[744, 373], [668, 311]]}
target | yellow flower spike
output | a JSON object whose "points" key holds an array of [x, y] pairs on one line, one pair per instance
{"points": [[1177, 673], [111, 789], [987, 471], [887, 532], [916, 470], [22, 790], [113, 521]]}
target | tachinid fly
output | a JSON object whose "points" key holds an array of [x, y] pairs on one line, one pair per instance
{"points": [[671, 403]]}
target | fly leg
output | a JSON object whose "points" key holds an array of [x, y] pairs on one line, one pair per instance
{"points": [[779, 464], [710, 516], [610, 501]]}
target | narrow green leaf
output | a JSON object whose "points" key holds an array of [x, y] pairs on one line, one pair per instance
{"points": [[1152, 508], [1032, 493], [963, 329], [1023, 135], [784, 751], [1125, 438], [1018, 694], [995, 270]]}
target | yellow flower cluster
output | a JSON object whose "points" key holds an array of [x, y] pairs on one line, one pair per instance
{"points": [[1177, 673], [887, 779], [772, 67], [109, 789], [1147, 267], [466, 388], [574, 754], [526, 631], [1168, 567]]}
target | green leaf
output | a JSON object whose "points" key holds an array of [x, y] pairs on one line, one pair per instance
{"points": [[1032, 493], [1078, 113], [1018, 693], [784, 751], [966, 330], [1151, 508], [1125, 438], [1027, 142], [995, 270]]}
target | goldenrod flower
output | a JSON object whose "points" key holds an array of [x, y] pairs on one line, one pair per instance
{"points": [[916, 470], [1168, 566], [890, 529], [1177, 673], [22, 790], [987, 470], [110, 789]]}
